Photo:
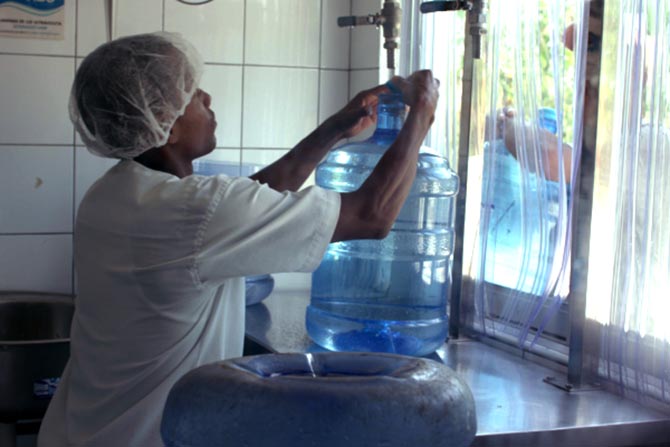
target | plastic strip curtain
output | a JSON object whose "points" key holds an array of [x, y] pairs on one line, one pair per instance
{"points": [[627, 299], [520, 265], [440, 37]]}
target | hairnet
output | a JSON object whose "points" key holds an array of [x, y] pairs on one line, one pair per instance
{"points": [[128, 93]]}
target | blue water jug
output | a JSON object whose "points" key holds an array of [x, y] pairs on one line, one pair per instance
{"points": [[522, 211], [387, 295]]}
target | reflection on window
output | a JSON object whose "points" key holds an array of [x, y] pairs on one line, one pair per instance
{"points": [[519, 173]]}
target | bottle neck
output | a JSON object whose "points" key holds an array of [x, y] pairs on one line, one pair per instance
{"points": [[390, 118]]}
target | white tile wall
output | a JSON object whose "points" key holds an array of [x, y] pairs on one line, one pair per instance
{"points": [[280, 105], [335, 48], [365, 52], [285, 33], [92, 25], [331, 99], [41, 263], [37, 192], [224, 84], [269, 90], [129, 17], [215, 28], [34, 93]]}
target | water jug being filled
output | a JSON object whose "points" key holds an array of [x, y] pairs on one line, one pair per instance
{"points": [[387, 295]]}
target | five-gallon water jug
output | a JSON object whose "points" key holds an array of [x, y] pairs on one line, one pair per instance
{"points": [[522, 209], [388, 295]]}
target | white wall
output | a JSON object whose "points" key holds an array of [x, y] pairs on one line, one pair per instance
{"points": [[274, 69]]}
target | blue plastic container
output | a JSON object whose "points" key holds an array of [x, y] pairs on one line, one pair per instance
{"points": [[388, 295], [522, 216], [257, 287]]}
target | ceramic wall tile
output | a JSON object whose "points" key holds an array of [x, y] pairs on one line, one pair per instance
{"points": [[335, 41], [333, 92], [34, 93], [37, 189], [40, 263], [130, 17], [280, 106], [92, 25], [216, 29], [224, 84], [365, 40], [63, 47], [284, 33], [133, 17]]}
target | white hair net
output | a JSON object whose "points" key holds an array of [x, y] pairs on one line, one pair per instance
{"points": [[128, 93]]}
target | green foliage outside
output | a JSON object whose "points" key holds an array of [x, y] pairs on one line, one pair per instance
{"points": [[536, 67]]}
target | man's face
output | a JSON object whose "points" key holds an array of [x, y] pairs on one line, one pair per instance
{"points": [[593, 45], [593, 50], [196, 127]]}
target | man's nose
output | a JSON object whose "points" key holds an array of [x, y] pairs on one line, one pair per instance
{"points": [[206, 98]]}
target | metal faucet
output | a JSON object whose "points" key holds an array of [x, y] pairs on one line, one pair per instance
{"points": [[476, 17], [389, 19]]}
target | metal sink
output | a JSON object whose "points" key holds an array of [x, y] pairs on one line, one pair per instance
{"points": [[34, 348]]}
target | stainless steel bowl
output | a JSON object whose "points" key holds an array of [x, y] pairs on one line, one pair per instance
{"points": [[34, 347]]}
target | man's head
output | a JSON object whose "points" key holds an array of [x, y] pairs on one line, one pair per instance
{"points": [[128, 93]]}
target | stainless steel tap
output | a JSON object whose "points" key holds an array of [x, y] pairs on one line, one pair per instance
{"points": [[476, 17], [389, 19]]}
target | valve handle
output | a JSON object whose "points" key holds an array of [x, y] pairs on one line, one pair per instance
{"points": [[445, 5]]}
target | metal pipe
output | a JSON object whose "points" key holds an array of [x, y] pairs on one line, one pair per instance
{"points": [[389, 19], [392, 15], [463, 153], [582, 207], [476, 18]]}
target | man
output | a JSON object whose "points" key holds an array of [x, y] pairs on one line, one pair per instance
{"points": [[161, 254]]}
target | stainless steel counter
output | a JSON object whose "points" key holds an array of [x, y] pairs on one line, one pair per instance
{"points": [[514, 406]]}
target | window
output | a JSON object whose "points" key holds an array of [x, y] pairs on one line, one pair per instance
{"points": [[538, 175]]}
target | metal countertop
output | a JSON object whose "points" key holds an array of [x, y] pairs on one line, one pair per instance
{"points": [[514, 406]]}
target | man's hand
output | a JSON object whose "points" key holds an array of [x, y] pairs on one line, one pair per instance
{"points": [[370, 211], [419, 90], [519, 136], [359, 114]]}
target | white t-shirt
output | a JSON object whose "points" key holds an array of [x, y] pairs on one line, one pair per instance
{"points": [[160, 264]]}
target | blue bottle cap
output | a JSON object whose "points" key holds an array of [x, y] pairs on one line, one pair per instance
{"points": [[546, 117]]}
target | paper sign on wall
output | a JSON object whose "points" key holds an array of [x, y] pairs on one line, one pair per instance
{"points": [[35, 19]]}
